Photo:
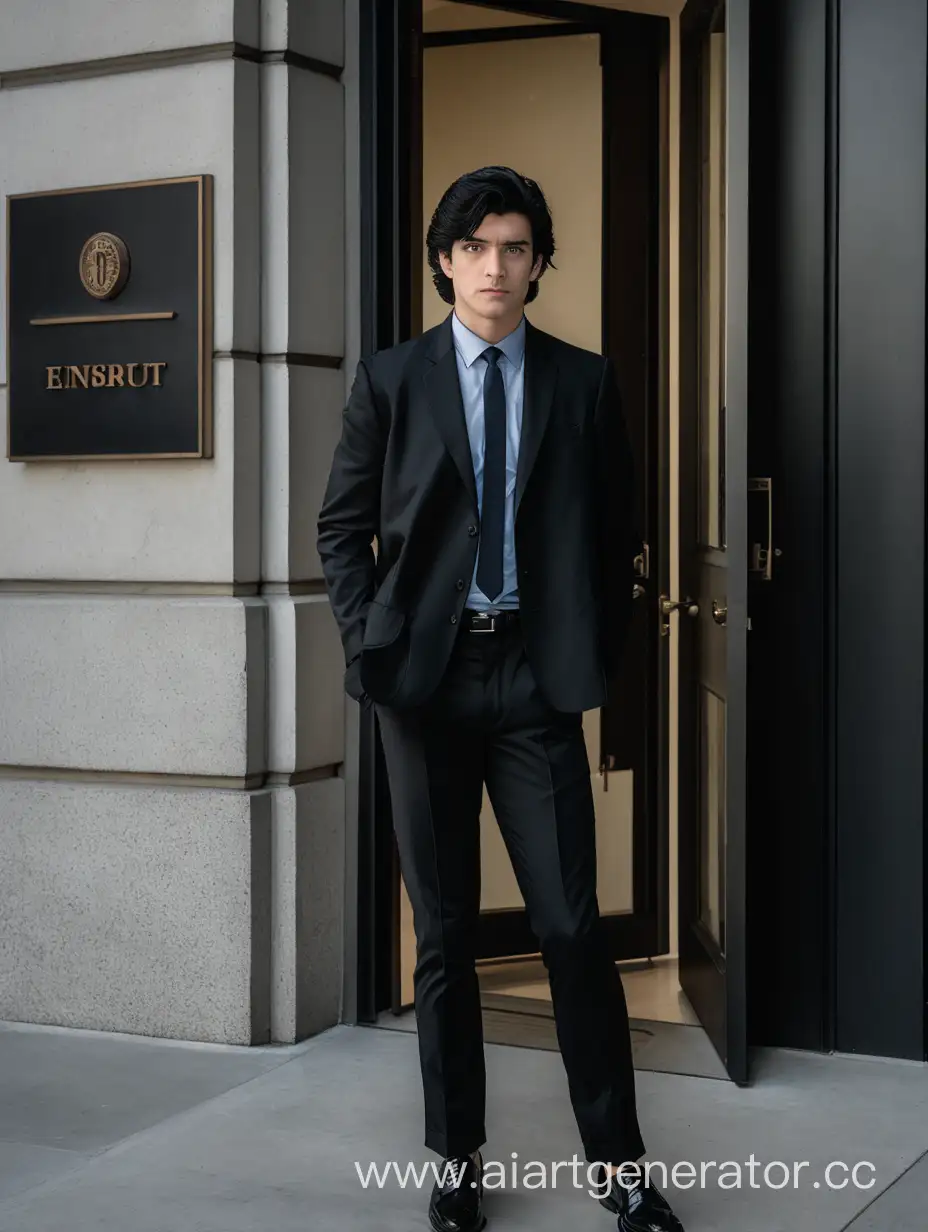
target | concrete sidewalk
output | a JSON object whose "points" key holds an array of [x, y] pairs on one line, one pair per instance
{"points": [[119, 1134]]}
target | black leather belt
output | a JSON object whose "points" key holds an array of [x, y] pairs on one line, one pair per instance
{"points": [[489, 622]]}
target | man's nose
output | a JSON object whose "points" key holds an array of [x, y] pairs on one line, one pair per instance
{"points": [[494, 266]]}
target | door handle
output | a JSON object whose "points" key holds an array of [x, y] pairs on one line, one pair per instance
{"points": [[638, 591], [719, 613], [668, 606]]}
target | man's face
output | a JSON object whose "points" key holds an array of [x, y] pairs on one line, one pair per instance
{"points": [[491, 269]]}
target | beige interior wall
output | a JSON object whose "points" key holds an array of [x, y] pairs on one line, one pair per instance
{"points": [[535, 105], [543, 116]]}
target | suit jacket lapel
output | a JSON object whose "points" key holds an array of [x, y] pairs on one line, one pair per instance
{"points": [[447, 406], [540, 382]]}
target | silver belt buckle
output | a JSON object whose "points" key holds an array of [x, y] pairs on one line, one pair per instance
{"points": [[482, 622]]}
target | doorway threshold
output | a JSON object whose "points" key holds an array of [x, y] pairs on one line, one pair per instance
{"points": [[526, 1022]]}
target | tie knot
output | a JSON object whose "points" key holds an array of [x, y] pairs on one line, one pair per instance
{"points": [[492, 355]]}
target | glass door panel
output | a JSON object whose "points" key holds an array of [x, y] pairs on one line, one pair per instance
{"points": [[712, 294]]}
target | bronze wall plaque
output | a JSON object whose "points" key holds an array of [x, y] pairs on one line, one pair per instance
{"points": [[109, 319]]}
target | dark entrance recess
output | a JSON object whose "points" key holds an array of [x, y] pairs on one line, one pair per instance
{"points": [[634, 56], [834, 788]]}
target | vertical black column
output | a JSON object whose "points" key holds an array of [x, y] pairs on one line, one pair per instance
{"points": [[879, 453], [390, 68]]}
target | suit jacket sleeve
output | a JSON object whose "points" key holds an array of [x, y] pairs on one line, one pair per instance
{"points": [[617, 542], [349, 519]]}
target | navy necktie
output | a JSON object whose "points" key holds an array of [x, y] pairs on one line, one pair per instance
{"points": [[493, 511]]}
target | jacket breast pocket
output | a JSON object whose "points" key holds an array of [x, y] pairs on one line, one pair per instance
{"points": [[383, 626]]}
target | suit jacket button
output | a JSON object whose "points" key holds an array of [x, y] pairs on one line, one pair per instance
{"points": [[454, 620], [472, 531], [460, 583]]}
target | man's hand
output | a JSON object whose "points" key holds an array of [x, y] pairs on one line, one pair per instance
{"points": [[353, 686]]}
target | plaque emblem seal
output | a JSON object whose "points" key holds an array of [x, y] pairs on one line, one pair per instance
{"points": [[104, 265]]}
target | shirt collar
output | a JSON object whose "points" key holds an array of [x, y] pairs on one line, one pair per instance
{"points": [[471, 346]]}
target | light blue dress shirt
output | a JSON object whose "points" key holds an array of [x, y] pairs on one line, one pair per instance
{"points": [[472, 367]]}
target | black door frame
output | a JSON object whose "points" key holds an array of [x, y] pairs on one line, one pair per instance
{"points": [[389, 42], [390, 34]]}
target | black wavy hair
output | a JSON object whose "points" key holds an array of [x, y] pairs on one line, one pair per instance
{"points": [[463, 207]]}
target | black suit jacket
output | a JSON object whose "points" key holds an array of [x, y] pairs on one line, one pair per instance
{"points": [[402, 474]]}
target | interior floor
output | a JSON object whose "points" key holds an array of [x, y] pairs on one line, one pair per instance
{"points": [[520, 985], [652, 988]]}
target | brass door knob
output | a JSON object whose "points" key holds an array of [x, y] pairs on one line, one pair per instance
{"points": [[668, 606], [719, 613]]}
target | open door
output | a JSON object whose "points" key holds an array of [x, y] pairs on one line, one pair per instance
{"points": [[712, 606]]}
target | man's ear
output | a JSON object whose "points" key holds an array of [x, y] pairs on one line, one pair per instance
{"points": [[444, 260], [536, 269]]}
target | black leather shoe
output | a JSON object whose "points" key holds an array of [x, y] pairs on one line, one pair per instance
{"points": [[640, 1209], [457, 1206]]}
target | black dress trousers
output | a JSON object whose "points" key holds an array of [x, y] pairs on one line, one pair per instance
{"points": [[488, 723]]}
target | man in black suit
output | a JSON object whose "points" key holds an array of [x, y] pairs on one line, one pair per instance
{"points": [[490, 463]]}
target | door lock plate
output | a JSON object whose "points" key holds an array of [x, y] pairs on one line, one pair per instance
{"points": [[668, 606]]}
